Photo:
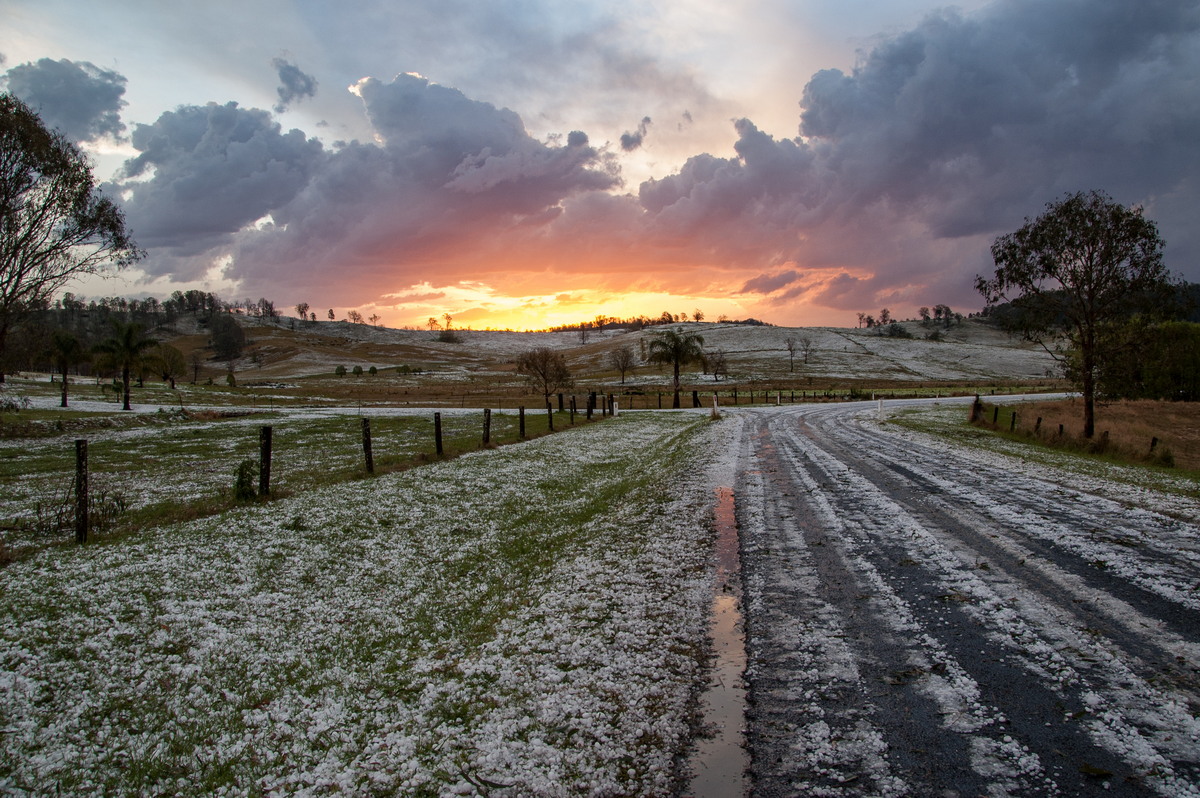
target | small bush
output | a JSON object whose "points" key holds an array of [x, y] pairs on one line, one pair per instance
{"points": [[244, 487]]}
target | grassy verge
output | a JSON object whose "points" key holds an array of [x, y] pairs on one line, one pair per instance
{"points": [[172, 466], [530, 617], [1112, 462]]}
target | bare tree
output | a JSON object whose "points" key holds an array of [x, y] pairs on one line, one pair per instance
{"points": [[622, 360], [807, 346], [791, 348], [718, 364], [545, 369]]}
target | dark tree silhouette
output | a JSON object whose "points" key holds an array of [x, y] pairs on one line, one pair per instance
{"points": [[545, 369], [1083, 265], [54, 224], [123, 351], [66, 351], [675, 348]]}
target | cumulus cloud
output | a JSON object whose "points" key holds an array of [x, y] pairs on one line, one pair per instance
{"points": [[293, 84], [943, 137], [78, 98], [449, 180], [203, 174], [904, 169], [632, 141]]}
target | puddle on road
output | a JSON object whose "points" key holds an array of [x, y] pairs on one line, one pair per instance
{"points": [[719, 762]]}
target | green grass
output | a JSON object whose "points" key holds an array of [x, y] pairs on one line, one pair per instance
{"points": [[545, 603], [173, 466]]}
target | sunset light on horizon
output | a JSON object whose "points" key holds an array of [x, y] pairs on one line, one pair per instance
{"points": [[524, 166]]}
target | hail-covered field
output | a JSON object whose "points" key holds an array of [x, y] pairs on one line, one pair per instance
{"points": [[526, 621]]}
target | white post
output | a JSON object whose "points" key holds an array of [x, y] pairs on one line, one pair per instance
{"points": [[615, 403], [881, 410]]}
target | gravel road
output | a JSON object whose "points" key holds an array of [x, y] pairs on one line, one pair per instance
{"points": [[933, 620]]}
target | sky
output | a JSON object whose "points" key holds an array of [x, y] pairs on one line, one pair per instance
{"points": [[527, 163]]}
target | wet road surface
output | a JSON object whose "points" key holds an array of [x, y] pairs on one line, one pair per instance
{"points": [[928, 620]]}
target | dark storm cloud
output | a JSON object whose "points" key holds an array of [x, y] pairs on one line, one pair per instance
{"points": [[80, 99], [632, 141], [449, 171], [943, 137], [216, 169], [294, 84], [949, 134]]}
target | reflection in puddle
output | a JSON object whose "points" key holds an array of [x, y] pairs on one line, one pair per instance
{"points": [[720, 761]]}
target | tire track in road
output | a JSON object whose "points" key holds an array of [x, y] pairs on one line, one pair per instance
{"points": [[888, 627]]}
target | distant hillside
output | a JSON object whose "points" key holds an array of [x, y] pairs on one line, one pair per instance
{"points": [[970, 351]]}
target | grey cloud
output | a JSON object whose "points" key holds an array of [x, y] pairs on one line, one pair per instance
{"points": [[632, 141], [770, 283], [294, 84], [452, 177], [945, 136], [80, 99], [216, 169]]}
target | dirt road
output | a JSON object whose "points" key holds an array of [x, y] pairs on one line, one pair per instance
{"points": [[928, 619]]}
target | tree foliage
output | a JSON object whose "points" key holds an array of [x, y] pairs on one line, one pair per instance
{"points": [[545, 369], [54, 224], [1082, 266], [1152, 361], [123, 351], [675, 348], [66, 351], [228, 337]]}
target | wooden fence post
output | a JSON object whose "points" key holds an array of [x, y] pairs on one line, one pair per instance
{"points": [[995, 414], [521, 416], [437, 432], [1012, 422], [550, 413], [1153, 444], [572, 411], [81, 491], [264, 461], [366, 436], [695, 398], [1038, 426], [487, 426]]}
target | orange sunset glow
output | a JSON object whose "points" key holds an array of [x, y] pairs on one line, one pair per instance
{"points": [[535, 165]]}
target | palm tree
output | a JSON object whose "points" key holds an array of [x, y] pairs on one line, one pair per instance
{"points": [[124, 350], [66, 351], [676, 348]]}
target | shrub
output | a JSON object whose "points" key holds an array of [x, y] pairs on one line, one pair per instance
{"points": [[244, 488]]}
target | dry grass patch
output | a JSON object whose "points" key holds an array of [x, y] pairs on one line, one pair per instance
{"points": [[1131, 425]]}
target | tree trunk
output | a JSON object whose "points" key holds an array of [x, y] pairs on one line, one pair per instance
{"points": [[1089, 403], [125, 386], [675, 401], [64, 389]]}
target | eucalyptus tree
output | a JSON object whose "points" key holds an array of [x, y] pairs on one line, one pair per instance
{"points": [[1081, 267], [55, 225]]}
